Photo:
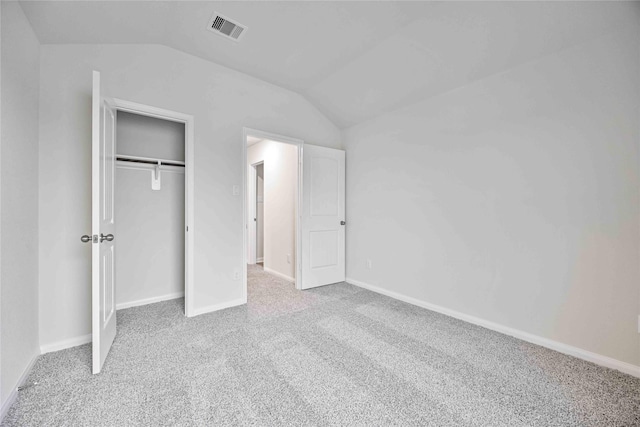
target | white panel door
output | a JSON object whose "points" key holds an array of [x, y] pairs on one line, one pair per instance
{"points": [[103, 285], [323, 216]]}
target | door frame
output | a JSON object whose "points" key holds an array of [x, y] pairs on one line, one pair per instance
{"points": [[247, 205], [189, 158], [253, 208]]}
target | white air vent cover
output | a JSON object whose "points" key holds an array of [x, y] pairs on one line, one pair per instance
{"points": [[224, 27]]}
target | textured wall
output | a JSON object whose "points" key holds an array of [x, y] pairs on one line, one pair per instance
{"points": [[514, 199], [19, 190]]}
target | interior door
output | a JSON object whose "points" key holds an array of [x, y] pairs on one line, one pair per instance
{"points": [[323, 216], [260, 213], [103, 285]]}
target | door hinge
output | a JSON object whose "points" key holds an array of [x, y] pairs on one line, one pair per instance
{"points": [[95, 238]]}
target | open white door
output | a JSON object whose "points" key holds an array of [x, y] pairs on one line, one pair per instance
{"points": [[103, 285], [323, 216]]}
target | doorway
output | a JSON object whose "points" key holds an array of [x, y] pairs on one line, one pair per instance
{"points": [[272, 204], [149, 210], [154, 201], [319, 220]]}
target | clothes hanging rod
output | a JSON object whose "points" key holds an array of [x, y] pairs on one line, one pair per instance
{"points": [[124, 164], [148, 160]]}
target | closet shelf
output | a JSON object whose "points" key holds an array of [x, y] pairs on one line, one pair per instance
{"points": [[148, 160]]}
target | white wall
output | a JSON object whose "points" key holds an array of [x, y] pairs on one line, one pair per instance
{"points": [[19, 190], [144, 136], [280, 187], [150, 233], [222, 102], [514, 199]]}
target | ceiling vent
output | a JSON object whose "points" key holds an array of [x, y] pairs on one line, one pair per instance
{"points": [[224, 27]]}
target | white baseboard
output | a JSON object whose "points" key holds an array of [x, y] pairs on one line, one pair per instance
{"points": [[216, 307], [84, 339], [151, 300], [64, 344], [260, 260], [6, 405], [278, 274], [589, 356]]}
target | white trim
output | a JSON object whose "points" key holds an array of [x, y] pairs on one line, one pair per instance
{"points": [[252, 207], [221, 306], [189, 255], [64, 344], [278, 274], [262, 260], [151, 300], [13, 395], [149, 111], [245, 222], [189, 183], [279, 138], [589, 356]]}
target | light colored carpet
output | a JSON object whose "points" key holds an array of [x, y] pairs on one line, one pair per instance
{"points": [[336, 355]]}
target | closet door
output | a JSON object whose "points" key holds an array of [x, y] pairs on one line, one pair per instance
{"points": [[103, 286]]}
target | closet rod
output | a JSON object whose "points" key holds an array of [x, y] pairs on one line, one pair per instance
{"points": [[148, 160]]}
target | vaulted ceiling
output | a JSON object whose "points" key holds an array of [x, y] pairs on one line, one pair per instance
{"points": [[352, 60]]}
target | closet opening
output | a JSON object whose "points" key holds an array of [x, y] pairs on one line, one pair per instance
{"points": [[150, 208]]}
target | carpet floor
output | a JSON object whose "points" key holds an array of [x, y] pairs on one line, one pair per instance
{"points": [[336, 355]]}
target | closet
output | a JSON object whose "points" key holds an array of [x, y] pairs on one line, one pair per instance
{"points": [[149, 209]]}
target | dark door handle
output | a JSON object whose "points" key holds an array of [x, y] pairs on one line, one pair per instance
{"points": [[108, 237], [342, 223]]}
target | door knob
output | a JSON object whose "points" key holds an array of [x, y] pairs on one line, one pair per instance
{"points": [[342, 223], [108, 237], [85, 239]]}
